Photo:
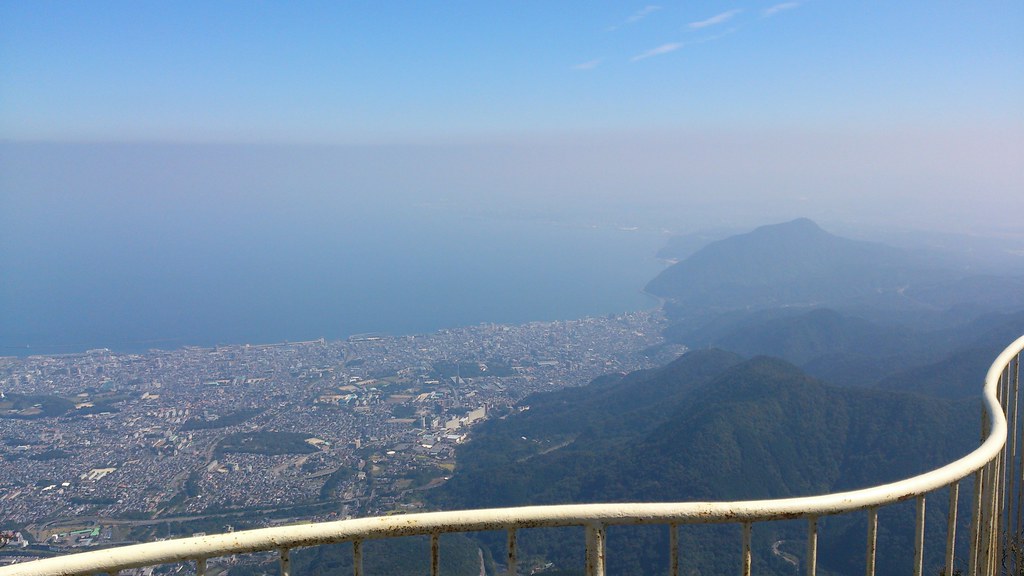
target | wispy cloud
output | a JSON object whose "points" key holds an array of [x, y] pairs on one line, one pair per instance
{"points": [[716, 19], [643, 13], [721, 34], [773, 10], [588, 65], [673, 46], [636, 16], [663, 49]]}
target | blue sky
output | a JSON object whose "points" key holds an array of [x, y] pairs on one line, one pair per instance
{"points": [[353, 72]]}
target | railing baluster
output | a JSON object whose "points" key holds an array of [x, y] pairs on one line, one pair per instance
{"points": [[919, 537], [993, 532], [872, 551], [985, 552], [812, 546], [988, 518], [200, 566], [357, 558], [588, 566], [435, 554], [1019, 478], [286, 562], [595, 550], [977, 509], [513, 558], [673, 550], [954, 495], [1003, 508], [746, 549], [1011, 485]]}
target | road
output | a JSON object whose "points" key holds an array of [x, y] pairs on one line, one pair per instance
{"points": [[785, 555]]}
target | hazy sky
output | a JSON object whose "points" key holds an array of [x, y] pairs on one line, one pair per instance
{"points": [[197, 170], [866, 111]]}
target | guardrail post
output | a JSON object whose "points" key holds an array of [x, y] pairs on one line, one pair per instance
{"points": [[357, 558], [980, 519], [988, 511], [512, 552], [200, 566], [1018, 460], [919, 537], [286, 562], [954, 494], [595, 550], [812, 545], [673, 550], [1012, 489], [992, 520], [745, 571], [872, 551], [435, 554], [1002, 507]]}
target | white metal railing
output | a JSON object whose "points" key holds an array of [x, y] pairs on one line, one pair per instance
{"points": [[994, 539]]}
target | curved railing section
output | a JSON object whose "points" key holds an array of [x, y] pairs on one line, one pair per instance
{"points": [[995, 470]]}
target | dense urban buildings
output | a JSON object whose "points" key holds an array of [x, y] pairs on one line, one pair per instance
{"points": [[102, 447]]}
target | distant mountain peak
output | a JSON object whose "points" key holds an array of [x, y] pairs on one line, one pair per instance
{"points": [[798, 226], [794, 263], [801, 230]]}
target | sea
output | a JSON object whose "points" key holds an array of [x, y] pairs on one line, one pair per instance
{"points": [[417, 270], [132, 246]]}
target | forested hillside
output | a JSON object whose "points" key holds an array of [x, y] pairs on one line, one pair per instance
{"points": [[709, 426]]}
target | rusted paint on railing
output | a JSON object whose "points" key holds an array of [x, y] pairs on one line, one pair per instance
{"points": [[357, 557], [435, 554], [286, 562], [513, 559], [595, 550]]}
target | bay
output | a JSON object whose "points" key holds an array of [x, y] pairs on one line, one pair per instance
{"points": [[133, 246], [417, 270]]}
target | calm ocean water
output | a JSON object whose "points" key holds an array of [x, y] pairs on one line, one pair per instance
{"points": [[413, 271], [136, 246]]}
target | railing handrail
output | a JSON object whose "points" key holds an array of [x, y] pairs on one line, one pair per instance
{"points": [[591, 515]]}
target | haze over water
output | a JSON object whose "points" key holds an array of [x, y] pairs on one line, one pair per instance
{"points": [[111, 256]]}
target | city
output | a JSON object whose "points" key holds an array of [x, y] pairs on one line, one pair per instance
{"points": [[105, 448]]}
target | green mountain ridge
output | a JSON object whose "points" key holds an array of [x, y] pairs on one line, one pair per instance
{"points": [[709, 426], [709, 432], [851, 351]]}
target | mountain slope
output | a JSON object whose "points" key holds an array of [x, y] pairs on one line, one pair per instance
{"points": [[791, 264], [759, 428]]}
